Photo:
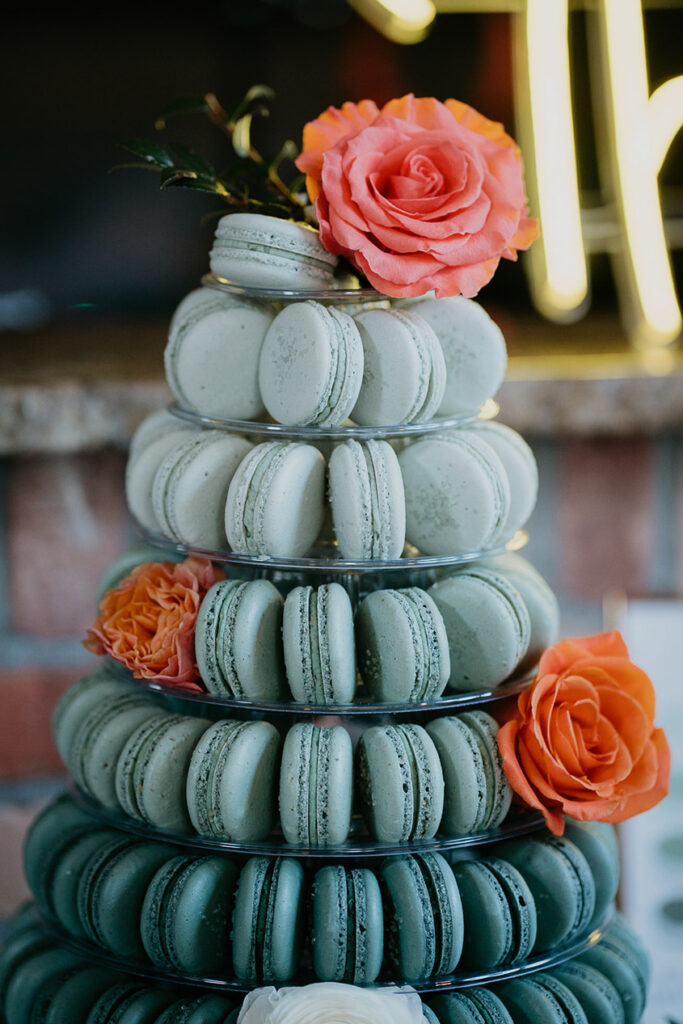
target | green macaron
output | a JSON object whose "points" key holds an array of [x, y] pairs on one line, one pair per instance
{"points": [[399, 782], [475, 1005], [129, 1002], [597, 843], [33, 982], [599, 998], [348, 925], [424, 913], [477, 795], [69, 1001], [267, 922], [316, 785], [48, 837], [18, 947], [67, 874], [185, 920], [499, 913], [206, 1009], [541, 998], [231, 780], [76, 703], [319, 644]]}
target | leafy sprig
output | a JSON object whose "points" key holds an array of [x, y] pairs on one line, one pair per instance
{"points": [[249, 181]]}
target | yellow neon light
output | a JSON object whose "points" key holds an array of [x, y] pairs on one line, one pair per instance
{"points": [[403, 21], [560, 276], [639, 131]]}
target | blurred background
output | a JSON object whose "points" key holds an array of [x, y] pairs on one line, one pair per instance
{"points": [[93, 262]]}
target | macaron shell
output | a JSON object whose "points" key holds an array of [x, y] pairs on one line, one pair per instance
{"points": [[367, 500], [473, 348], [207, 1009], [487, 624], [268, 919], [197, 916], [457, 493], [27, 985], [541, 999], [600, 1000], [141, 470], [595, 840], [49, 835], [129, 1003], [266, 252], [520, 467], [16, 950], [76, 703], [72, 1001], [319, 644], [316, 785], [491, 938], [160, 772], [212, 357], [348, 925], [471, 1006]]}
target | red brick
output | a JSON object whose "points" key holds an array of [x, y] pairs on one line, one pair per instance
{"points": [[27, 698], [606, 505], [14, 821], [66, 518]]}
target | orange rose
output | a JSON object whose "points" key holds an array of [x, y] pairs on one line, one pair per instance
{"points": [[147, 622], [583, 742], [418, 195]]}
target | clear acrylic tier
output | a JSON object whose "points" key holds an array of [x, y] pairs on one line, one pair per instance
{"points": [[465, 979], [359, 846]]}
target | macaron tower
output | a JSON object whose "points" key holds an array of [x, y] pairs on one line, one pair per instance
{"points": [[323, 797]]}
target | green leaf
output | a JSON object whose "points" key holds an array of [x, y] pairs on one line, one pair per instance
{"points": [[135, 166], [241, 136], [183, 156], [257, 92], [150, 152], [182, 105], [174, 177]]}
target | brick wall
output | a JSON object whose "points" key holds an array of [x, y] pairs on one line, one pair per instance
{"points": [[610, 516]]}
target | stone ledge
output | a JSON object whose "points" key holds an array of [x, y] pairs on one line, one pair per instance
{"points": [[86, 385]]}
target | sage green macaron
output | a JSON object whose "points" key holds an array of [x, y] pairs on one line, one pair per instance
{"points": [[267, 925]]}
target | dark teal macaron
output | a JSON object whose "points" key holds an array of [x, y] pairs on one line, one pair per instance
{"points": [[70, 1001], [50, 834], [618, 957], [20, 946], [599, 998], [25, 997], [562, 884], [541, 999], [476, 1005], [67, 875], [267, 923], [424, 915], [597, 843], [111, 891], [428, 1015], [499, 911], [130, 1002], [348, 925], [185, 922], [207, 1009]]}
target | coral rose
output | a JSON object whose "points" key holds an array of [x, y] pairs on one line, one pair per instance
{"points": [[583, 742], [147, 622], [419, 195]]}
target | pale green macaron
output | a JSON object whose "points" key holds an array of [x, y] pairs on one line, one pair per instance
{"points": [[319, 644], [76, 703], [316, 785], [367, 500], [231, 781]]}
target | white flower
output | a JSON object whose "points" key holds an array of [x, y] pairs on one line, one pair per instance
{"points": [[330, 1003]]}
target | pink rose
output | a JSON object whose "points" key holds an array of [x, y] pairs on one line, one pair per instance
{"points": [[420, 195]]}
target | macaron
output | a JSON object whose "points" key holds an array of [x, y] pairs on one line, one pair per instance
{"points": [[476, 1005], [111, 891], [212, 356], [425, 916], [33, 982], [266, 252], [67, 874], [404, 374], [267, 924], [520, 467], [76, 703], [429, 1016], [403, 648], [399, 783], [191, 485], [499, 913], [237, 640], [185, 920], [231, 780], [457, 493], [150, 446], [129, 1002], [151, 770], [348, 925], [316, 785], [48, 836], [596, 840], [319, 644], [477, 795], [367, 500], [206, 1009], [473, 348], [276, 500], [17, 948], [487, 624], [100, 739], [540, 998], [540, 601], [621, 958], [69, 1000], [598, 997], [311, 365], [561, 881]]}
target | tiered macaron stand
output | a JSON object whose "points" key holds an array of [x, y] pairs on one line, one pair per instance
{"points": [[359, 577]]}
